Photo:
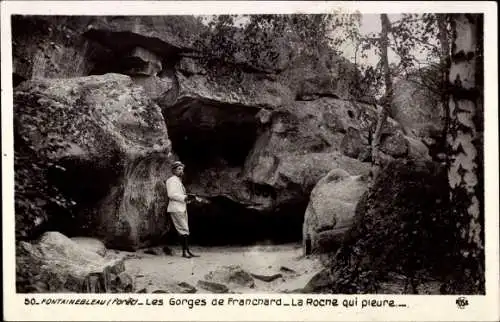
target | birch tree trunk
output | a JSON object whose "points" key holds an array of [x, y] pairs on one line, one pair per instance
{"points": [[387, 99], [442, 21], [465, 169]]}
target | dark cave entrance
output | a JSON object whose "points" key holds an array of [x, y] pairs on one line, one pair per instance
{"points": [[211, 138], [225, 222], [204, 134]]}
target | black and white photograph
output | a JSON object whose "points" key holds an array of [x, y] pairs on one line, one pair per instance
{"points": [[252, 153]]}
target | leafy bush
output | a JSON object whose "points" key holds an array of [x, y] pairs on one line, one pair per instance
{"points": [[402, 226]]}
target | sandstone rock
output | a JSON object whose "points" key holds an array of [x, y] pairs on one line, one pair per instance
{"points": [[417, 150], [419, 110], [247, 90], [327, 74], [354, 145], [162, 34], [141, 61], [153, 251], [187, 288], [295, 146], [91, 244], [267, 278], [110, 152], [157, 250], [52, 47], [415, 106], [299, 145], [331, 209], [395, 145], [295, 118], [287, 270], [57, 264], [231, 275], [213, 287]]}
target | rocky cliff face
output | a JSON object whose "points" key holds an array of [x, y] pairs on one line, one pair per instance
{"points": [[106, 147], [256, 136], [417, 107]]}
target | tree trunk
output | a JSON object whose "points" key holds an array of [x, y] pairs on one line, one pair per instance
{"points": [[387, 99], [464, 139], [442, 21]]}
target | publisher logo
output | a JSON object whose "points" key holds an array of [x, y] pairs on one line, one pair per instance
{"points": [[462, 302]]}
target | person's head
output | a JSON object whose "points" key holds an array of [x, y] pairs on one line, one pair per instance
{"points": [[178, 168]]}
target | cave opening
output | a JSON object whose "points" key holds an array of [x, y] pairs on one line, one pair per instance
{"points": [[224, 222], [71, 177], [204, 134], [214, 142]]}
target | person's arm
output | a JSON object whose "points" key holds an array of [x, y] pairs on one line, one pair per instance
{"points": [[174, 191]]}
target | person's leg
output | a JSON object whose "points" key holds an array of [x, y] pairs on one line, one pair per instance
{"points": [[187, 247]]}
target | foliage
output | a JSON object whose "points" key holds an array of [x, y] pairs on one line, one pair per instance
{"points": [[35, 197], [396, 232], [410, 36], [261, 41]]}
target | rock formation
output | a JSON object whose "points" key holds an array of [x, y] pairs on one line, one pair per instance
{"points": [[417, 107], [255, 133], [330, 212], [108, 149], [55, 264]]}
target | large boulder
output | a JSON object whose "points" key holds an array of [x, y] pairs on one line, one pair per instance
{"points": [[161, 34], [303, 79], [91, 244], [418, 108], [107, 151], [330, 212], [301, 143], [56, 264]]}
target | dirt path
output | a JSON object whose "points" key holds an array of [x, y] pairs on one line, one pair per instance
{"points": [[163, 273]]}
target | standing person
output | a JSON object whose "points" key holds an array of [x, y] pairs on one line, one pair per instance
{"points": [[177, 207]]}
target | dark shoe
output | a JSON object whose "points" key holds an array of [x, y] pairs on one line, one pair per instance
{"points": [[187, 255], [192, 255]]}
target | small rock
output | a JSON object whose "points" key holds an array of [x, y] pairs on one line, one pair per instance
{"points": [[231, 274], [142, 290], [213, 287], [187, 287], [287, 270], [158, 251], [299, 290], [159, 291], [168, 251], [267, 278], [123, 283]]}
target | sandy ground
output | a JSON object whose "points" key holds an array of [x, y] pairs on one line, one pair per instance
{"points": [[163, 273]]}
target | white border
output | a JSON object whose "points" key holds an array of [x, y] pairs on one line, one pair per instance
{"points": [[419, 307]]}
